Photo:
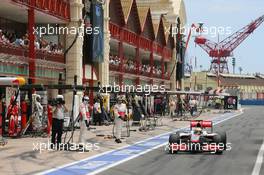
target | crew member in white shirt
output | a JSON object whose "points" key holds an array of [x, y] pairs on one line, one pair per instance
{"points": [[57, 120], [120, 112]]}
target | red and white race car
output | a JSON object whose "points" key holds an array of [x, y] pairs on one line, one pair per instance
{"points": [[198, 139]]}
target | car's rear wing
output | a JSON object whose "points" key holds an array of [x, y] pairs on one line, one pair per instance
{"points": [[201, 124]]}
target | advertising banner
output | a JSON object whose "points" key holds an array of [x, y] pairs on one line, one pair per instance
{"points": [[98, 34], [230, 102]]}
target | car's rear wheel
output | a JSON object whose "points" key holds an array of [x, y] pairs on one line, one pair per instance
{"points": [[174, 139]]}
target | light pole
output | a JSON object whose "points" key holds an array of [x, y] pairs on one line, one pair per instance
{"points": [[234, 64]]}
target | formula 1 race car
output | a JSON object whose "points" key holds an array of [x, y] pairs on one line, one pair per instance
{"points": [[198, 139]]}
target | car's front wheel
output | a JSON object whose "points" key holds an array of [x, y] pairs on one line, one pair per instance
{"points": [[217, 141], [223, 138]]}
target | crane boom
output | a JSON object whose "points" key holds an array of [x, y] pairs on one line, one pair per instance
{"points": [[222, 50], [231, 42]]}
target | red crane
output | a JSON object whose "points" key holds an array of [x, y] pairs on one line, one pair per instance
{"points": [[222, 50]]}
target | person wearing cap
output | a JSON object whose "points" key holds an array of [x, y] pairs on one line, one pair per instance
{"points": [[84, 119], [57, 120], [120, 112]]}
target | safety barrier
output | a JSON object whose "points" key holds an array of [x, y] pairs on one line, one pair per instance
{"points": [[252, 102]]}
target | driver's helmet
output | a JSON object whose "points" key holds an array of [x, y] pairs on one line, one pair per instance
{"points": [[198, 130]]}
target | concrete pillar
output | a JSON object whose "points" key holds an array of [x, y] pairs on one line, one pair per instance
{"points": [[74, 60], [74, 56], [104, 67]]}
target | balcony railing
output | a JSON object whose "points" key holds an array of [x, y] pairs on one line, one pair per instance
{"points": [[7, 69], [116, 68], [134, 39], [130, 70], [58, 8], [23, 52], [114, 30], [130, 37], [145, 43], [157, 75], [49, 56], [146, 74]]}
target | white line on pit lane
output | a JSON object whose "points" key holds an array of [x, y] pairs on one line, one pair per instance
{"points": [[259, 161]]}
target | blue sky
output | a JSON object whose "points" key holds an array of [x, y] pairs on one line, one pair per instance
{"points": [[234, 14]]}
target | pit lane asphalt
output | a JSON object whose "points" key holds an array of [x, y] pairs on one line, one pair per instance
{"points": [[244, 132]]}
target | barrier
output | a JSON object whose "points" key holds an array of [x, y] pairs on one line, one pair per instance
{"points": [[252, 102]]}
